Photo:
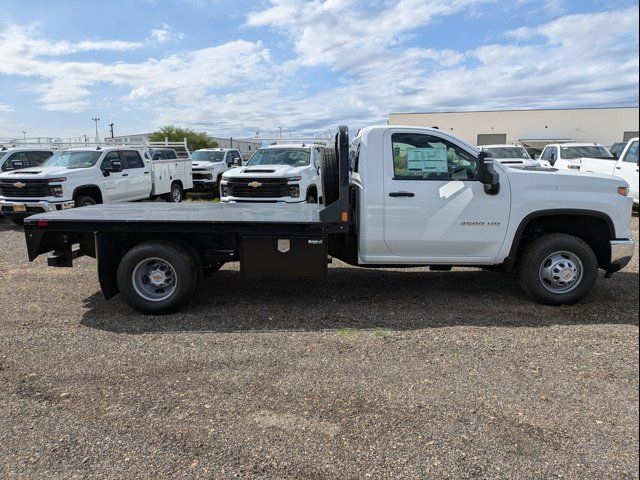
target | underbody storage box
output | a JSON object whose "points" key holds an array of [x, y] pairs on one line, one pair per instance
{"points": [[289, 256]]}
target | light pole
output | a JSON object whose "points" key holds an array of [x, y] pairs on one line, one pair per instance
{"points": [[96, 120], [280, 135], [111, 127], [24, 136]]}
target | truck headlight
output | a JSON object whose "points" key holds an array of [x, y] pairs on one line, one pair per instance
{"points": [[624, 191], [294, 179], [56, 190], [294, 191], [57, 180]]}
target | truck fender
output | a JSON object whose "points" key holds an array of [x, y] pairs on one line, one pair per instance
{"points": [[509, 262], [82, 187]]}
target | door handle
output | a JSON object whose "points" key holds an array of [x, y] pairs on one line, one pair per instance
{"points": [[125, 174], [618, 168], [401, 194], [146, 173]]}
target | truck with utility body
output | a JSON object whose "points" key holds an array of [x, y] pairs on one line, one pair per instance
{"points": [[89, 175], [171, 172], [209, 164], [393, 197], [288, 173], [512, 155], [625, 166]]}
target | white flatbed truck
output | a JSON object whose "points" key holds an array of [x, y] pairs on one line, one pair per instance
{"points": [[395, 196]]}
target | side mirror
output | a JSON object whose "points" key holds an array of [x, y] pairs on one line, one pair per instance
{"points": [[116, 166], [487, 174]]}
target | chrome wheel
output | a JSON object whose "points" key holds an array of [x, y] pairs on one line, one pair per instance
{"points": [[561, 272], [154, 279]]}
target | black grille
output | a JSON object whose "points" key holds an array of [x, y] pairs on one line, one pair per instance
{"points": [[201, 176], [20, 188], [262, 187]]}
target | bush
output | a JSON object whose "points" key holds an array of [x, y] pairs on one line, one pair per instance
{"points": [[195, 140]]}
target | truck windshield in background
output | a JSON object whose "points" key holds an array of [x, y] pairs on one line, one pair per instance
{"points": [[72, 159], [589, 151], [508, 152], [294, 157], [207, 156]]}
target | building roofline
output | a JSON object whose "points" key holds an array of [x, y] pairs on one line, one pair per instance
{"points": [[512, 110]]}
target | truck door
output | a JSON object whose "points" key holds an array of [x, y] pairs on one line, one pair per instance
{"points": [[434, 208], [137, 173], [627, 168], [115, 186]]}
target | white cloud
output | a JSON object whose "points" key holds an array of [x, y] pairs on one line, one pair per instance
{"points": [[5, 108], [236, 87], [165, 34]]}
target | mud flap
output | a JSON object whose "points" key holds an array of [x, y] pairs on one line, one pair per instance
{"points": [[108, 254]]}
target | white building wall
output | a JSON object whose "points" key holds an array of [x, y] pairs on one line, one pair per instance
{"points": [[601, 125]]}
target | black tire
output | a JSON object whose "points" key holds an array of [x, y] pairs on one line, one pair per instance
{"points": [[311, 198], [197, 262], [217, 193], [566, 249], [17, 221], [85, 201], [329, 176], [175, 195], [183, 268]]}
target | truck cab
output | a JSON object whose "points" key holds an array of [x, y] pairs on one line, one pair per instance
{"points": [[210, 163], [512, 155], [288, 173], [570, 156], [15, 158]]}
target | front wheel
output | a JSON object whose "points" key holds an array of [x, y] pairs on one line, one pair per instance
{"points": [[557, 269], [85, 201], [157, 277]]}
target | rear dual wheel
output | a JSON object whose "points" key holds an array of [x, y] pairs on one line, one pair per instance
{"points": [[158, 277]]}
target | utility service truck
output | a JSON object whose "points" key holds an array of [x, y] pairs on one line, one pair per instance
{"points": [[396, 196], [89, 175]]}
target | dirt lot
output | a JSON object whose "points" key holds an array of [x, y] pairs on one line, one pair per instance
{"points": [[380, 374]]}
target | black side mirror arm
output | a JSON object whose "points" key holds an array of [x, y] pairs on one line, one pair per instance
{"points": [[487, 175]]}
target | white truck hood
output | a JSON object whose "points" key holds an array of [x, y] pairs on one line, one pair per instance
{"points": [[266, 171], [206, 165], [40, 173]]}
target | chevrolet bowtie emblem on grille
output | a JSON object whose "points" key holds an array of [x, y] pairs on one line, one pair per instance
{"points": [[19, 185], [255, 184]]}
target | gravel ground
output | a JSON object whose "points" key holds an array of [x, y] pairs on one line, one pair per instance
{"points": [[369, 373]]}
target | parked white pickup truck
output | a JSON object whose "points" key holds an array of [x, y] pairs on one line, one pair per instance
{"points": [[210, 163], [277, 173], [15, 158], [625, 166], [399, 196], [512, 155], [79, 177], [569, 156]]}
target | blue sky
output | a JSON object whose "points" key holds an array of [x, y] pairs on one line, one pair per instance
{"points": [[237, 67]]}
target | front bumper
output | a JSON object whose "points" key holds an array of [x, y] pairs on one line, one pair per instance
{"points": [[25, 208], [621, 253], [200, 184]]}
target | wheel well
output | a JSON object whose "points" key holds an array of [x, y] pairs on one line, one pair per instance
{"points": [[596, 231], [179, 182], [90, 191], [313, 190]]}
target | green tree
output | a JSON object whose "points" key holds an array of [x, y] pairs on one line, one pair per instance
{"points": [[173, 133]]}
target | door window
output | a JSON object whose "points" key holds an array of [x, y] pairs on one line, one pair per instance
{"points": [[16, 161], [36, 158], [418, 156], [108, 158], [632, 153], [131, 159]]}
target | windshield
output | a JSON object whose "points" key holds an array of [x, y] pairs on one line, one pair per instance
{"points": [[508, 152], [204, 156], [71, 159], [295, 157], [588, 151]]}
